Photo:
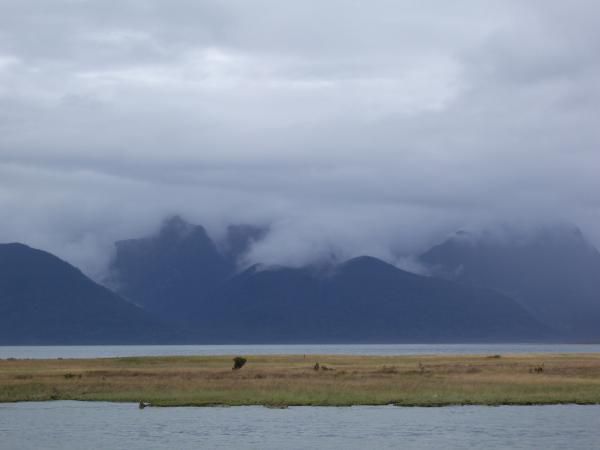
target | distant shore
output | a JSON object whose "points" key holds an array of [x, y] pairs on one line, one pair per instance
{"points": [[298, 380]]}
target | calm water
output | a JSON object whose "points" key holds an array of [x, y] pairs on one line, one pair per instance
{"points": [[105, 351], [83, 425]]}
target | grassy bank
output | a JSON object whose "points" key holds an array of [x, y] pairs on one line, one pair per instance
{"points": [[293, 380]]}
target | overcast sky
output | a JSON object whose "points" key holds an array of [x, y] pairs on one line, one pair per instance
{"points": [[349, 126]]}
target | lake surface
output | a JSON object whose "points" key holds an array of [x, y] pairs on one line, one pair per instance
{"points": [[107, 351], [86, 425]]}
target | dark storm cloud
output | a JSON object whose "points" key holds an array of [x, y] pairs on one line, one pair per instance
{"points": [[349, 126]]}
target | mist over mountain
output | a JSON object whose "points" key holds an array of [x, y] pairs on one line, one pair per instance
{"points": [[381, 125], [503, 284], [182, 274], [179, 268], [44, 300], [554, 272]]}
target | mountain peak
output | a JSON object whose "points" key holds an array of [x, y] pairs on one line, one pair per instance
{"points": [[552, 270], [175, 227], [171, 272], [14, 245], [23, 257], [365, 261]]}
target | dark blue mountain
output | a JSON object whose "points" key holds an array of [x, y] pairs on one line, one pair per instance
{"points": [[183, 275], [362, 300], [171, 272], [178, 269], [44, 300], [554, 273]]}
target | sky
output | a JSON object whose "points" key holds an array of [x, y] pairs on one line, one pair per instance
{"points": [[349, 127]]}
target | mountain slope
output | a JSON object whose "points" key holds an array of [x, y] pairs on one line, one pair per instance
{"points": [[554, 273], [169, 273], [44, 300], [364, 299]]}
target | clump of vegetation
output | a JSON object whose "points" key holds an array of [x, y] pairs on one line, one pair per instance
{"points": [[494, 356], [388, 369], [238, 362], [323, 367], [23, 377], [276, 406], [537, 369], [69, 376]]}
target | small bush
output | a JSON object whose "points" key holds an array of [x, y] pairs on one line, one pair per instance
{"points": [[238, 363], [386, 369], [537, 369], [68, 376], [23, 377]]}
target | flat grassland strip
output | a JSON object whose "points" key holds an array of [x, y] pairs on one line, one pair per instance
{"points": [[282, 380]]}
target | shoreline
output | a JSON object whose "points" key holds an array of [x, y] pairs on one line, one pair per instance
{"points": [[269, 406], [280, 381]]}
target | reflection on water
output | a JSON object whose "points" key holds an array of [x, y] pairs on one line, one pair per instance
{"points": [[107, 351], [85, 425]]}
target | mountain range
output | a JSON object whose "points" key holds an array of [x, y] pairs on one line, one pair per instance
{"points": [[363, 299], [181, 286]]}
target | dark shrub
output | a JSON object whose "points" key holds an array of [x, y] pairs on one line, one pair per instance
{"points": [[537, 369], [386, 369], [238, 363]]}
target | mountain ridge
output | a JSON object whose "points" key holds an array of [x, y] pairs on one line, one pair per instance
{"points": [[44, 299], [378, 302], [555, 273]]}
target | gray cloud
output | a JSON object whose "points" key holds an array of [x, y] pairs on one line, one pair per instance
{"points": [[352, 127]]}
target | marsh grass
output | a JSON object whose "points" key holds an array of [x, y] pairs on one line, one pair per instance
{"points": [[291, 380]]}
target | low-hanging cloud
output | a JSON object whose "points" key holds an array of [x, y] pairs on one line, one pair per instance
{"points": [[349, 127]]}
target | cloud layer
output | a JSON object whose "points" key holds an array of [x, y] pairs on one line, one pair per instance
{"points": [[349, 126]]}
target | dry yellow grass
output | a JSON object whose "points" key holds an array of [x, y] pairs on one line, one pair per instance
{"points": [[292, 380]]}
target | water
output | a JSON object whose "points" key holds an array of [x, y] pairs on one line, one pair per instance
{"points": [[107, 351], [83, 425]]}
